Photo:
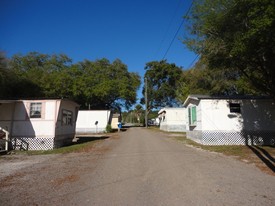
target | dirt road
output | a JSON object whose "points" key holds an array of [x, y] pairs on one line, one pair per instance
{"points": [[140, 167]]}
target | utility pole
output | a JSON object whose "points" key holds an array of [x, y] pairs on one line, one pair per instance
{"points": [[146, 104]]}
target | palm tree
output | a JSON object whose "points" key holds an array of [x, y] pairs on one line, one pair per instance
{"points": [[138, 112]]}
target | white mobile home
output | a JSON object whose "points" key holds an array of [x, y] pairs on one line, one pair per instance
{"points": [[92, 121], [39, 124], [172, 119], [115, 120], [230, 120]]}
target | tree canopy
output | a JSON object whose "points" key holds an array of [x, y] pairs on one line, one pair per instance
{"points": [[96, 84], [104, 84], [162, 79], [202, 80], [236, 36]]}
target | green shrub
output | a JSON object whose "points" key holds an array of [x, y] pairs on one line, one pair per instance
{"points": [[109, 128]]}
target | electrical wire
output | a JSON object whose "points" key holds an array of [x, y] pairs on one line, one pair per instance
{"points": [[191, 64], [168, 28], [172, 41]]}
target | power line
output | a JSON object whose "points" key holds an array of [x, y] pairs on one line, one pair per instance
{"points": [[193, 61], [172, 41], [183, 20], [170, 24]]}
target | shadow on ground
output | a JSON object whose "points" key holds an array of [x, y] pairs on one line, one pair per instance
{"points": [[264, 156], [84, 139]]}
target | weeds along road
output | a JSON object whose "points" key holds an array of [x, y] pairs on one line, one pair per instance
{"points": [[141, 167]]}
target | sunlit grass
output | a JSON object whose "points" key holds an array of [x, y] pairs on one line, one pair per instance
{"points": [[240, 151]]}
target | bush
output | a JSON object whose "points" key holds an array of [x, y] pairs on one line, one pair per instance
{"points": [[109, 128]]}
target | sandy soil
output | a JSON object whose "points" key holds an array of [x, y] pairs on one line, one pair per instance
{"points": [[136, 168]]}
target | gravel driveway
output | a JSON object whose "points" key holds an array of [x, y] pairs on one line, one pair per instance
{"points": [[140, 167]]}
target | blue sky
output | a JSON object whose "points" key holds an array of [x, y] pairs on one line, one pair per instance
{"points": [[135, 32]]}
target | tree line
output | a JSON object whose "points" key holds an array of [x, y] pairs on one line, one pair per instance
{"points": [[234, 40], [98, 84], [235, 43]]}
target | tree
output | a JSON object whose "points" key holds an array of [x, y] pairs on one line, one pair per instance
{"points": [[93, 84], [11, 84], [6, 79], [102, 84], [162, 79], [40, 75], [135, 115], [202, 80], [236, 36], [138, 112]]}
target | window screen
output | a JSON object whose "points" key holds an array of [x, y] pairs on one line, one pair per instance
{"points": [[67, 117], [35, 110]]}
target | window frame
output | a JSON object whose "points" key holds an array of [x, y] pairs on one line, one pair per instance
{"points": [[192, 115], [67, 117], [235, 107], [35, 108]]}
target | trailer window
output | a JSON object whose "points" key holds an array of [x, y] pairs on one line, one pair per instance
{"points": [[67, 117], [235, 107], [35, 110], [192, 113]]}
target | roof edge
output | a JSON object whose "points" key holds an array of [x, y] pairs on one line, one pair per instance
{"points": [[199, 97]]}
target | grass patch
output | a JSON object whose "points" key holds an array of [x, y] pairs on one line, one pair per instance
{"points": [[240, 151], [77, 147], [262, 156], [153, 128]]}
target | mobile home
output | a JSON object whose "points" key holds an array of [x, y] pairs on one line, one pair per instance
{"points": [[172, 119], [92, 121], [230, 120], [39, 124]]}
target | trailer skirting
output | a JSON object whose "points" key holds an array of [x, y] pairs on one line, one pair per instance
{"points": [[232, 137], [40, 143]]}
